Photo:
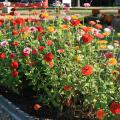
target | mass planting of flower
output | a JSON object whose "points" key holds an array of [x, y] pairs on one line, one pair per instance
{"points": [[59, 56]]}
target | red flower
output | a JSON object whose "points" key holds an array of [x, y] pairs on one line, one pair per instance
{"points": [[41, 48], [14, 64], [3, 14], [67, 88], [108, 55], [15, 43], [49, 42], [87, 38], [75, 22], [48, 57], [119, 76], [0, 23], [39, 38], [34, 52], [100, 114], [115, 107], [61, 51], [40, 29], [12, 55], [15, 32], [14, 73], [87, 70], [13, 22], [2, 56], [37, 107], [25, 54], [26, 28], [119, 68], [19, 21]]}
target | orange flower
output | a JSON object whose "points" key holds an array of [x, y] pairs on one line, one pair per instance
{"points": [[86, 29], [98, 26], [112, 61], [92, 23], [100, 114], [106, 34], [37, 107], [64, 27], [87, 70], [77, 59], [51, 64]]}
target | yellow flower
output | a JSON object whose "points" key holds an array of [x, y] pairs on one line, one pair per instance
{"points": [[118, 34], [112, 61], [44, 15], [51, 29], [9, 17], [74, 17], [103, 46], [102, 42], [50, 17], [25, 35], [76, 48], [64, 27], [115, 72]]}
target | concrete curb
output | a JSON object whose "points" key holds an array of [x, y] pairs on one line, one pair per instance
{"points": [[14, 111]]}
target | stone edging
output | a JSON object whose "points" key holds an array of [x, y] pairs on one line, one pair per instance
{"points": [[14, 111]]}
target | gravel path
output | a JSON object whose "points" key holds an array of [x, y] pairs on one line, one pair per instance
{"points": [[4, 115]]}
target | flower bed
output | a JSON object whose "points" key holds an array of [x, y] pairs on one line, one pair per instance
{"points": [[63, 64]]}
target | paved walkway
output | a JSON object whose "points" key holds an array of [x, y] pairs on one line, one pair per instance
{"points": [[4, 115]]}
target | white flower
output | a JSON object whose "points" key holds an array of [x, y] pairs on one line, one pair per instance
{"points": [[7, 4], [95, 31], [110, 47], [107, 30], [78, 38]]}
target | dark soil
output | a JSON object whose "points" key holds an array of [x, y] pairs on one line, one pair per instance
{"points": [[26, 102]]}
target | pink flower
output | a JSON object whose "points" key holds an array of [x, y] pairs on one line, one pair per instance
{"points": [[86, 4], [67, 18], [99, 35], [33, 29], [27, 50], [17, 13], [61, 51], [4, 43]]}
